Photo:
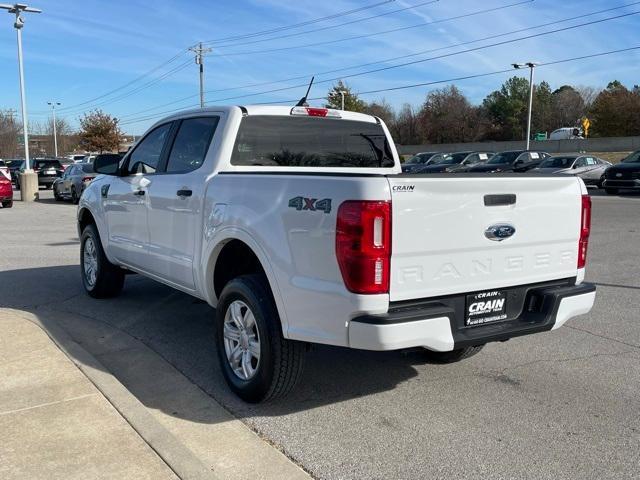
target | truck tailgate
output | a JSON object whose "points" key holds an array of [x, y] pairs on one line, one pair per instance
{"points": [[439, 240]]}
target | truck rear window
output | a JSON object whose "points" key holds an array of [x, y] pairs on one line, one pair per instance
{"points": [[278, 141]]}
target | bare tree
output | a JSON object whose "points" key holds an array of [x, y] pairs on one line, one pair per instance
{"points": [[407, 126], [588, 94], [448, 117], [68, 140], [10, 129]]}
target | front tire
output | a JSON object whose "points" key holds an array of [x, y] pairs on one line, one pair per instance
{"points": [[454, 355], [7, 204], [74, 196], [100, 277], [258, 363]]}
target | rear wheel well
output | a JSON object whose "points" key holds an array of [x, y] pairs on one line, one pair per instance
{"points": [[236, 258]]}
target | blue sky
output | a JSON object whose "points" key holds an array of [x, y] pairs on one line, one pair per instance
{"points": [[76, 51]]}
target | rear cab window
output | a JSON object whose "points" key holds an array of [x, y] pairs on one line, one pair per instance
{"points": [[281, 141]]}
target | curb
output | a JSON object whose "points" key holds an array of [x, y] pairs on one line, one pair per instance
{"points": [[177, 457]]}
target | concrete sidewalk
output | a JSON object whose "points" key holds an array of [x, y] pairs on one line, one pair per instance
{"points": [[54, 423]]}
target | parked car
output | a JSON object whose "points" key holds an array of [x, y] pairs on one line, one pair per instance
{"points": [[76, 158], [420, 160], [565, 133], [4, 170], [73, 182], [14, 166], [457, 162], [283, 218], [512, 161], [624, 175], [48, 169], [6, 192], [589, 168]]}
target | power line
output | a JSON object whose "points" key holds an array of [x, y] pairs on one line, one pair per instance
{"points": [[329, 27], [351, 67], [414, 62], [135, 80], [301, 24], [375, 34], [424, 84], [139, 88], [469, 77]]}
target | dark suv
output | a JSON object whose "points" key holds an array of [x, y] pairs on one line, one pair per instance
{"points": [[626, 174]]}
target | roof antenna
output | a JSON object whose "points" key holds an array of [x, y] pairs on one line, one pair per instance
{"points": [[303, 101]]}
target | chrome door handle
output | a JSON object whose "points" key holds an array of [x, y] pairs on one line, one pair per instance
{"points": [[140, 193]]}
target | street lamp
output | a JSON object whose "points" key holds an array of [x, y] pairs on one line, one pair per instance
{"points": [[17, 9], [55, 136], [342, 92], [532, 66]]}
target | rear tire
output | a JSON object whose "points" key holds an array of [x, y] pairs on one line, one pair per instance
{"points": [[8, 204], [74, 196], [247, 323], [611, 191], [454, 355], [100, 277]]}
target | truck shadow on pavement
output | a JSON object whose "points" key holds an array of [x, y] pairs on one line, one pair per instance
{"points": [[151, 337]]}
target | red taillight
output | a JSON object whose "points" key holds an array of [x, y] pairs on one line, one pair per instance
{"points": [[363, 245], [87, 179], [585, 229]]}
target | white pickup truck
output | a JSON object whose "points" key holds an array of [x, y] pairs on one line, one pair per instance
{"points": [[299, 227]]}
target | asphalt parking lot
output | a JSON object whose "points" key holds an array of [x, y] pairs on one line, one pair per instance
{"points": [[562, 404]]}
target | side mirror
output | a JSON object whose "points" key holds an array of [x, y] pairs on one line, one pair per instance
{"points": [[107, 165]]}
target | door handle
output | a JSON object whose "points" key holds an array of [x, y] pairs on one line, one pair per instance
{"points": [[140, 193], [184, 193]]}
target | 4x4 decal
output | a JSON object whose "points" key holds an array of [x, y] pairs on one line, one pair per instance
{"points": [[311, 204]]}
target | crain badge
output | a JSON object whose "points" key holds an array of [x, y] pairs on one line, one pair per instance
{"points": [[499, 232], [403, 188]]}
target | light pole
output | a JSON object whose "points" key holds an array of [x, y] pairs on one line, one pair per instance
{"points": [[55, 136], [342, 92], [532, 66], [17, 9]]}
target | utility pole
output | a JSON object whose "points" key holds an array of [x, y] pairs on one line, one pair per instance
{"points": [[200, 52], [29, 179], [55, 136], [532, 66], [11, 113]]}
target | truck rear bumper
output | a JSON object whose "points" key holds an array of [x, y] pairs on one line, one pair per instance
{"points": [[438, 324]]}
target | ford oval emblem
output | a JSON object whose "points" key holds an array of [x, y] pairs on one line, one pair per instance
{"points": [[499, 232]]}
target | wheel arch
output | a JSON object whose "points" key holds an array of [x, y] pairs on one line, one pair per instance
{"points": [[218, 267]]}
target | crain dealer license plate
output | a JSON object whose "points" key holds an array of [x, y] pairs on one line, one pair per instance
{"points": [[486, 307]]}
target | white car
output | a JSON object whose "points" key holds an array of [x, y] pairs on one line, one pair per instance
{"points": [[298, 226]]}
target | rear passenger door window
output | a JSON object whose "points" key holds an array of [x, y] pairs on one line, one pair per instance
{"points": [[147, 154], [191, 144]]}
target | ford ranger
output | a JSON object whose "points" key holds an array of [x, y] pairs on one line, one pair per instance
{"points": [[299, 227]]}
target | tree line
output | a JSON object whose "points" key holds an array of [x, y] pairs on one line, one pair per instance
{"points": [[98, 132], [447, 116]]}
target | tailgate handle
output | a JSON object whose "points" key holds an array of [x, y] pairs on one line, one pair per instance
{"points": [[501, 199]]}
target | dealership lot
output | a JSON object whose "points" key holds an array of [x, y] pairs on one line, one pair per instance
{"points": [[555, 405]]}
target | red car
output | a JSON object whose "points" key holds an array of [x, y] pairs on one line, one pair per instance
{"points": [[6, 192]]}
